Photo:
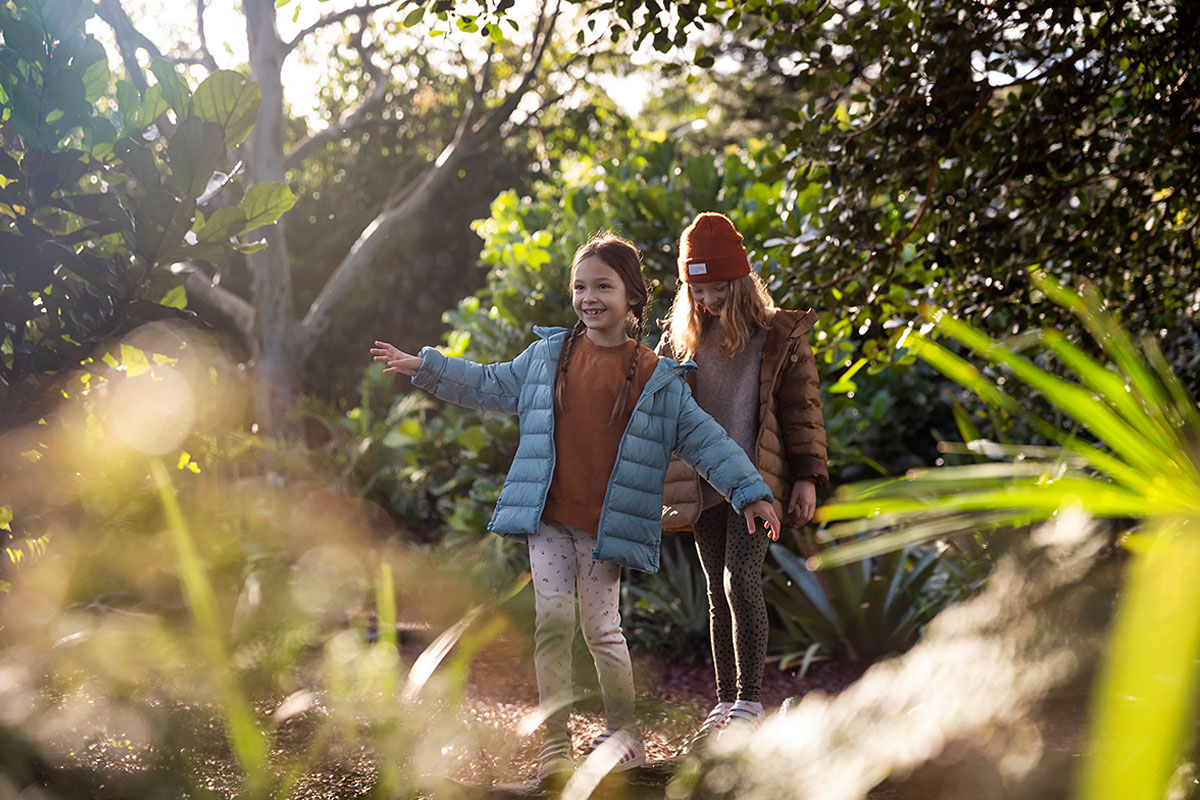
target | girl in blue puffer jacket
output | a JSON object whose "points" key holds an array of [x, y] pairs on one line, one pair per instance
{"points": [[600, 416]]}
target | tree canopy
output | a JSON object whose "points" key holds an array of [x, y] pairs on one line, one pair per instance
{"points": [[963, 142]]}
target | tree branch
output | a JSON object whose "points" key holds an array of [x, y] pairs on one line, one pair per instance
{"points": [[543, 33], [352, 118], [402, 205], [206, 57], [333, 19], [129, 39], [207, 297], [367, 246]]}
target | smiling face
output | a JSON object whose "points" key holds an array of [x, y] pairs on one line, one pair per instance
{"points": [[600, 301], [710, 297]]}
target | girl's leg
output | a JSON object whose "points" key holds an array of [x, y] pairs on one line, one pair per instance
{"points": [[710, 534], [600, 618], [744, 556], [552, 565]]}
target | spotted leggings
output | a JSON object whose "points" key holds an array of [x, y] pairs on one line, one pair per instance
{"points": [[733, 562], [560, 561]]}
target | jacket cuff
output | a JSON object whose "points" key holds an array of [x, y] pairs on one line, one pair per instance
{"points": [[433, 364], [809, 468], [743, 497]]}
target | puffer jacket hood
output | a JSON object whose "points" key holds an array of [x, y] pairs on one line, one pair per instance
{"points": [[665, 419]]}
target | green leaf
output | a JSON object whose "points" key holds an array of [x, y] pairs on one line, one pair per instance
{"points": [[140, 162], [281, 3], [176, 298], [65, 17], [414, 17], [96, 75], [65, 93], [1140, 718], [153, 106], [225, 223], [24, 39], [227, 99], [172, 87], [195, 151], [128, 103], [840, 76], [1081, 405], [160, 222], [844, 384], [265, 203]]}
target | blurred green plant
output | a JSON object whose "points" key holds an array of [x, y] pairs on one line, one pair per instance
{"points": [[667, 611], [862, 610], [101, 190], [205, 621], [1132, 454]]}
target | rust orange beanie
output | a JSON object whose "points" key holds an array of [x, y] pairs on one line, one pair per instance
{"points": [[711, 250]]}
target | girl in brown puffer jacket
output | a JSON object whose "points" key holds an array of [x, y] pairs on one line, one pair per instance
{"points": [[758, 379]]}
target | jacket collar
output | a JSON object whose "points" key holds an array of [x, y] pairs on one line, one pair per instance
{"points": [[665, 371], [785, 328]]}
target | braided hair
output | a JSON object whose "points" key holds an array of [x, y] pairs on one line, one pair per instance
{"points": [[623, 258]]}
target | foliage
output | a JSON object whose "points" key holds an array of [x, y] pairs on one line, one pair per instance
{"points": [[432, 260], [647, 192], [954, 143], [862, 610], [1130, 454], [667, 612], [209, 616], [100, 190]]}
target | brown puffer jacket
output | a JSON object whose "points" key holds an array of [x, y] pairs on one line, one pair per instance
{"points": [[790, 444]]}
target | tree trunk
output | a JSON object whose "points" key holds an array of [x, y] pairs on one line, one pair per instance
{"points": [[270, 269]]}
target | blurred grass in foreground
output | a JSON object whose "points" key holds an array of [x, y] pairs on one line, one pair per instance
{"points": [[201, 596]]}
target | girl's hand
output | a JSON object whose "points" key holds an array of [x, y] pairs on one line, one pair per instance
{"points": [[396, 359], [766, 512], [804, 496]]}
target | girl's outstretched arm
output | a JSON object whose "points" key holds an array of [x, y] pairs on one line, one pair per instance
{"points": [[396, 359], [488, 387]]}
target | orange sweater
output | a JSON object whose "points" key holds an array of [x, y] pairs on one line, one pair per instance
{"points": [[585, 443]]}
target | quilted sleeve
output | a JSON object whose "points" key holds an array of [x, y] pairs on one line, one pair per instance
{"points": [[488, 387], [800, 420]]}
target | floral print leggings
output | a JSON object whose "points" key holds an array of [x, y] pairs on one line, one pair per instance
{"points": [[560, 560]]}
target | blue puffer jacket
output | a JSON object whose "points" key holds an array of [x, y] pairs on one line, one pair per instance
{"points": [[666, 419]]}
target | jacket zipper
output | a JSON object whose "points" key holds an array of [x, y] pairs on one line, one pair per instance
{"points": [[647, 391]]}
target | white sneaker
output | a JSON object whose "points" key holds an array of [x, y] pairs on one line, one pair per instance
{"points": [[745, 714], [707, 728], [623, 748], [554, 759]]}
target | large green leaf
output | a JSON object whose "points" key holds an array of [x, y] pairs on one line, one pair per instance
{"points": [[227, 99], [93, 62], [24, 39], [265, 203], [226, 222], [1143, 706], [153, 106], [140, 162], [195, 151], [62, 17], [174, 91]]}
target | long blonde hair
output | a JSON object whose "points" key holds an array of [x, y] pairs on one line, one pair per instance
{"points": [[623, 258], [746, 310]]}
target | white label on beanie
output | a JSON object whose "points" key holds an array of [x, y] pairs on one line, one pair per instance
{"points": [[697, 269]]}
